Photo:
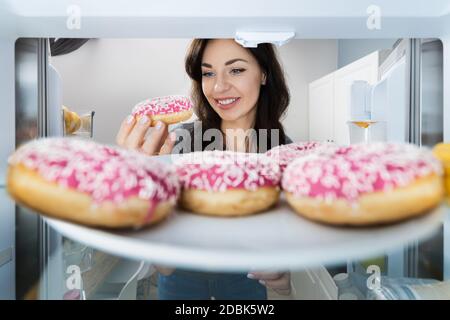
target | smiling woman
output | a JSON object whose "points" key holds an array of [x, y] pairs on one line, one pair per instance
{"points": [[237, 88]]}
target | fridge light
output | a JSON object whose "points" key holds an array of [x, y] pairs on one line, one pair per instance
{"points": [[251, 39]]}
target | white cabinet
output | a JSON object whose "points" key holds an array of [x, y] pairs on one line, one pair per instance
{"points": [[321, 106], [329, 99]]}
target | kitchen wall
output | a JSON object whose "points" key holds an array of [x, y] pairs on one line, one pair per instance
{"points": [[111, 75], [304, 61]]}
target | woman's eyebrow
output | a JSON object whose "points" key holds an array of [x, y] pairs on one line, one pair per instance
{"points": [[207, 65], [234, 60]]}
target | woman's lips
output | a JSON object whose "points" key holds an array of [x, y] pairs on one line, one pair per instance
{"points": [[227, 106]]}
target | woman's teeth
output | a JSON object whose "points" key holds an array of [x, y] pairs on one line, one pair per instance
{"points": [[227, 101]]}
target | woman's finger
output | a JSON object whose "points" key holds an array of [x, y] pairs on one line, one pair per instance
{"points": [[265, 275], [153, 143], [281, 285], [136, 136], [125, 129], [168, 144]]}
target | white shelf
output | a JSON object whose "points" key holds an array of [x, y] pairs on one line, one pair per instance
{"points": [[278, 239]]}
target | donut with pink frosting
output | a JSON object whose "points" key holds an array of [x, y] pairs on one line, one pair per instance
{"points": [[227, 183], [364, 184], [169, 109], [93, 184], [286, 153]]}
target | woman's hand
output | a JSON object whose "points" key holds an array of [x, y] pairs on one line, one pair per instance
{"points": [[280, 282], [133, 135]]}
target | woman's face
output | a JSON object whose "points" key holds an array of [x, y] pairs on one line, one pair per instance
{"points": [[231, 80]]}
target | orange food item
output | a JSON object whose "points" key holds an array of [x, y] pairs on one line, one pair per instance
{"points": [[442, 152], [72, 121], [362, 124]]}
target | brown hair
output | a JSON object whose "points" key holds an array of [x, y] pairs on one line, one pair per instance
{"points": [[273, 97]]}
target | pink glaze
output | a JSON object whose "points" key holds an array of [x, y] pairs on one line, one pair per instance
{"points": [[285, 154], [162, 105], [355, 170], [104, 173], [226, 170]]}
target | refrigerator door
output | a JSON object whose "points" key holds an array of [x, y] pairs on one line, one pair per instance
{"points": [[412, 101], [428, 258], [432, 91], [30, 57], [38, 114], [45, 259], [424, 126]]}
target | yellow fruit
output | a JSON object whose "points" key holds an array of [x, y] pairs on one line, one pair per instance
{"points": [[442, 152], [72, 121]]}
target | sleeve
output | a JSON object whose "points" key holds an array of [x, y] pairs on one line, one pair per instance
{"points": [[185, 133]]}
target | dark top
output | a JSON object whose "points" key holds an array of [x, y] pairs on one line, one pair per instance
{"points": [[183, 145]]}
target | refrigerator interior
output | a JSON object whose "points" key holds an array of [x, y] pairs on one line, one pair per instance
{"points": [[45, 260]]}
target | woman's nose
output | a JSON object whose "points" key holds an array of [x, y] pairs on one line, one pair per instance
{"points": [[221, 84]]}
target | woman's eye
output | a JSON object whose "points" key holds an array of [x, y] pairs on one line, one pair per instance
{"points": [[237, 71], [207, 74]]}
